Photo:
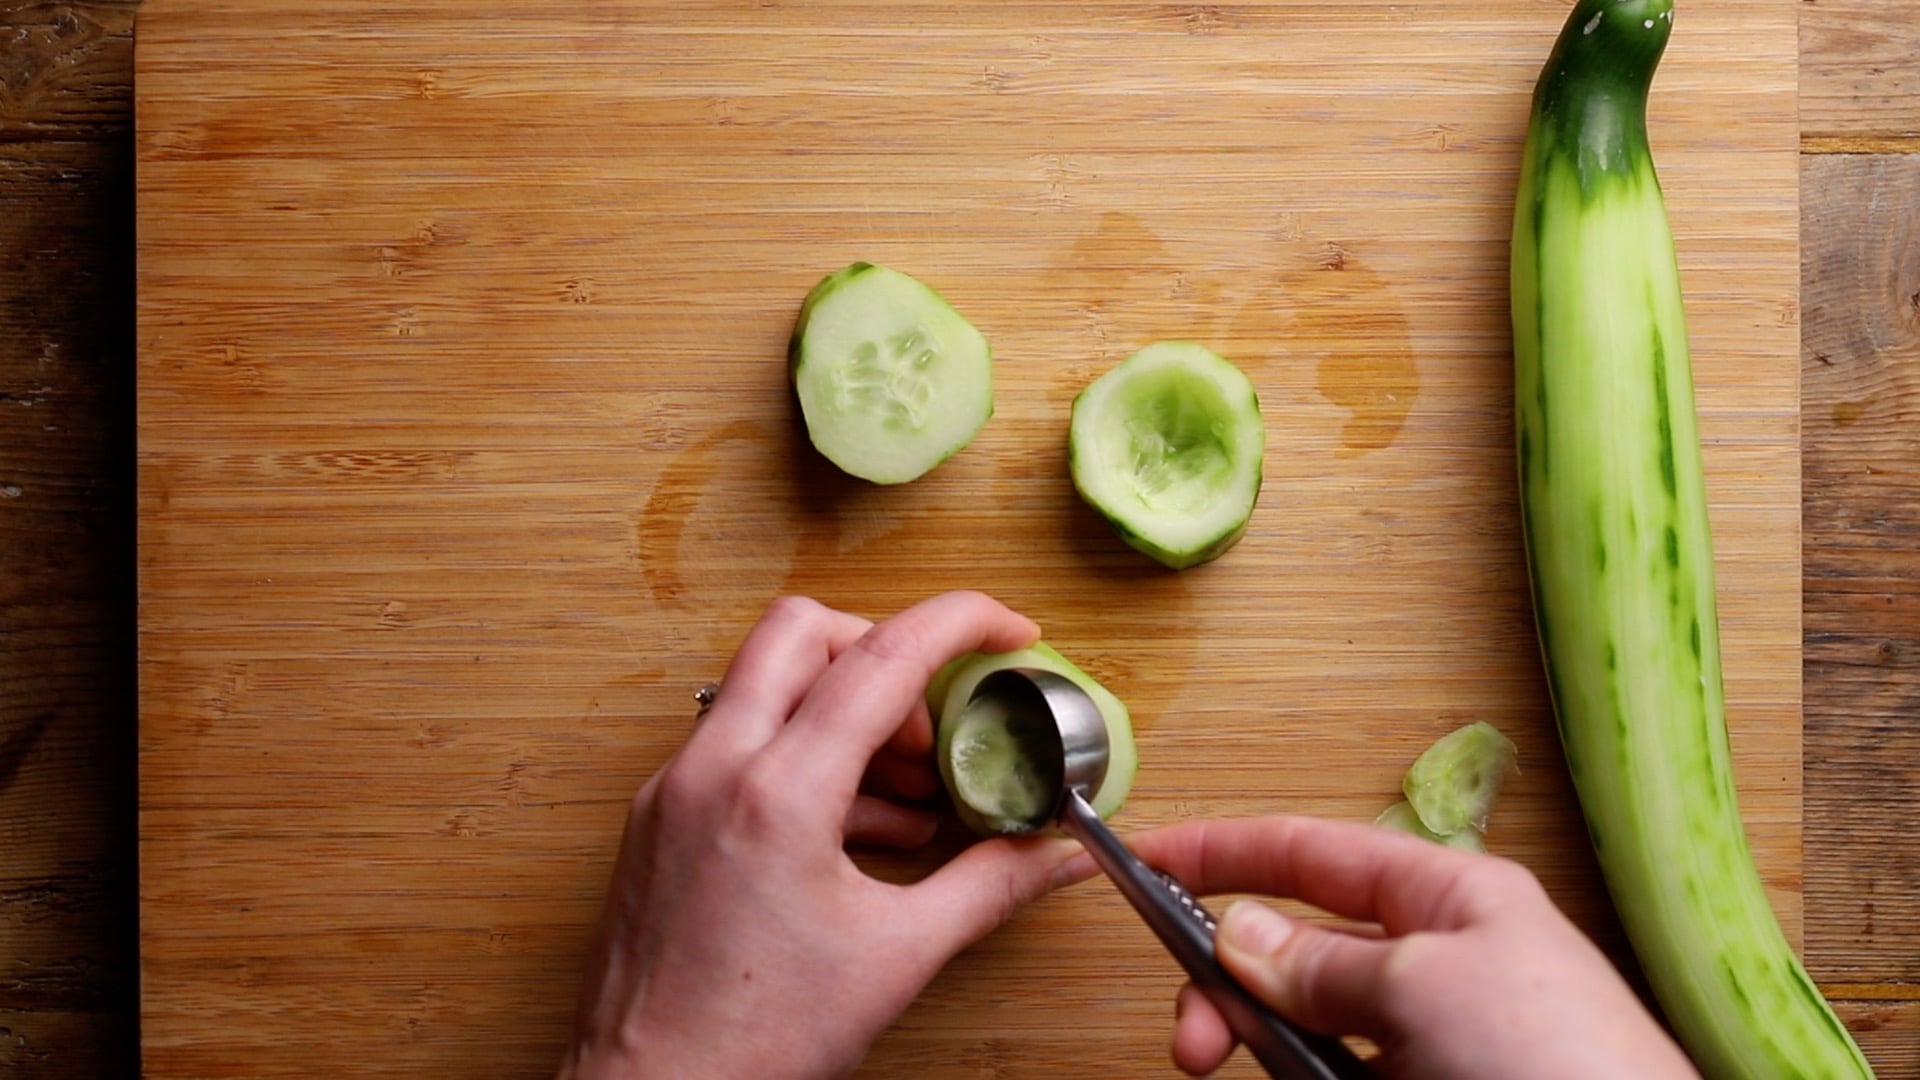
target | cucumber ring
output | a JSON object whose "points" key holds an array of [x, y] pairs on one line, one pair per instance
{"points": [[1167, 447]]}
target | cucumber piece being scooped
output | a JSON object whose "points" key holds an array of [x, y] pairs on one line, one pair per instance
{"points": [[993, 779], [891, 379], [1167, 447]]}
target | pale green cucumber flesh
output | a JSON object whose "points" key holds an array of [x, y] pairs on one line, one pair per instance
{"points": [[1621, 559], [1006, 763], [891, 380], [951, 690], [1401, 817], [1452, 785], [1167, 447]]}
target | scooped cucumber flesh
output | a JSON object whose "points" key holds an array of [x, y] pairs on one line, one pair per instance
{"points": [[891, 380], [1167, 447], [1006, 763], [975, 764]]}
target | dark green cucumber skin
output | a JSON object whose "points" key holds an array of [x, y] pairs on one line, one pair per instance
{"points": [[1206, 553], [1688, 892], [821, 288]]}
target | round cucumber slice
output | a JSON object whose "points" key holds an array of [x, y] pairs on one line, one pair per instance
{"points": [[1167, 447], [891, 379], [971, 771]]}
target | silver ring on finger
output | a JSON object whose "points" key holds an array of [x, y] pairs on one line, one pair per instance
{"points": [[706, 696]]}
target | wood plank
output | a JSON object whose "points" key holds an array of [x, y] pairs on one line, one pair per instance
{"points": [[67, 1001], [1859, 85], [467, 452], [66, 70], [1888, 1033], [1861, 392]]}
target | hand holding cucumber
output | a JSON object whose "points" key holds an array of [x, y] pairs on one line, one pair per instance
{"points": [[738, 938], [1473, 972]]}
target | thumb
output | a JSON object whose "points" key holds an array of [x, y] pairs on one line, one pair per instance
{"points": [[982, 887], [1322, 979]]}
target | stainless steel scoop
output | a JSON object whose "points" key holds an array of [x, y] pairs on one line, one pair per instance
{"points": [[1184, 927]]}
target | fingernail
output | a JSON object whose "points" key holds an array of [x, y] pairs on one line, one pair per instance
{"points": [[1254, 929]]}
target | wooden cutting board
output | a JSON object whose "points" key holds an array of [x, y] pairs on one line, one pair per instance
{"points": [[466, 454]]}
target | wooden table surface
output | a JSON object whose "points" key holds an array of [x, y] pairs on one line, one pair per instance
{"points": [[67, 912]]}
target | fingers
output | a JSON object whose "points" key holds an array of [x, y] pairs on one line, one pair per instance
{"points": [[982, 887], [877, 684], [1329, 982], [915, 737], [783, 656], [887, 824], [905, 778], [1359, 871], [1201, 1039]]}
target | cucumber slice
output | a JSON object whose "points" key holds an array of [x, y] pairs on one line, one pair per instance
{"points": [[1452, 785], [948, 697], [1401, 817], [891, 379], [1167, 447]]}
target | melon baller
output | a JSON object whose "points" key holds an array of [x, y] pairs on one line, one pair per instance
{"points": [[1181, 923]]}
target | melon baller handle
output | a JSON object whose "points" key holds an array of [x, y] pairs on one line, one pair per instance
{"points": [[1187, 931]]}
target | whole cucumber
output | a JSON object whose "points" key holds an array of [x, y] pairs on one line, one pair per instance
{"points": [[1621, 559]]}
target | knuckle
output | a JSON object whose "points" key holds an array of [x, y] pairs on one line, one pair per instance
{"points": [[895, 642], [1300, 982], [763, 795], [796, 610], [681, 795], [1500, 880], [1410, 965]]}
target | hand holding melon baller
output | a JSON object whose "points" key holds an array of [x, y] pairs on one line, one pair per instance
{"points": [[1074, 766]]}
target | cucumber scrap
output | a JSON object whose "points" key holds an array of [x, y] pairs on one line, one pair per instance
{"points": [[891, 380], [1401, 818], [979, 754], [1451, 787], [1453, 784], [1167, 447]]}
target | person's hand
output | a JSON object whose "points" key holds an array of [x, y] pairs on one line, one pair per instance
{"points": [[1461, 965], [739, 939]]}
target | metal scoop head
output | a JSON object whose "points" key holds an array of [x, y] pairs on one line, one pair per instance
{"points": [[1068, 744]]}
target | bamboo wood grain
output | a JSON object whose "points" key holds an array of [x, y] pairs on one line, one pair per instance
{"points": [[466, 454]]}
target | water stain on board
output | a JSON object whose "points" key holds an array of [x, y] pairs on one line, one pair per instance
{"points": [[742, 513], [1131, 289], [697, 531], [1341, 316]]}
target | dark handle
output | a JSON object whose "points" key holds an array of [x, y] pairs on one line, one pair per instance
{"points": [[1186, 928], [1282, 1048]]}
